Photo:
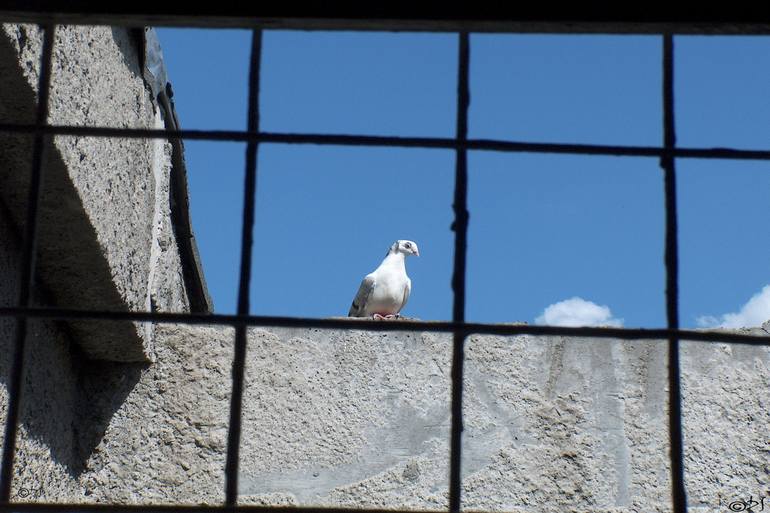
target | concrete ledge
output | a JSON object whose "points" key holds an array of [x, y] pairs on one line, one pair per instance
{"points": [[359, 419]]}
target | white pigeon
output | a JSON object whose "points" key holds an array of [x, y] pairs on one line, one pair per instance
{"points": [[384, 292]]}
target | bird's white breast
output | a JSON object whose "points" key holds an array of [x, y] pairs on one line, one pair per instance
{"points": [[390, 284]]}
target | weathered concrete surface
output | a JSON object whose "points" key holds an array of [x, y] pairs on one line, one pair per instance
{"points": [[727, 422], [46, 436], [551, 424], [123, 433], [166, 439], [362, 419], [105, 241], [104, 211]]}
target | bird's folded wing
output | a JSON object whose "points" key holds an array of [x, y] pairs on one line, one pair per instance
{"points": [[407, 291], [362, 296]]}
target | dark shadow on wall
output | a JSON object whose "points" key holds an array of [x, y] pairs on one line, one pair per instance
{"points": [[68, 399], [70, 260], [130, 41], [103, 387], [70, 394]]}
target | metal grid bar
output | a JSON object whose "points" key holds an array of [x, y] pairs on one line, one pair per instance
{"points": [[668, 163], [27, 274], [28, 507], [392, 141], [65, 314], [460, 227], [527, 18], [457, 327], [247, 243]]}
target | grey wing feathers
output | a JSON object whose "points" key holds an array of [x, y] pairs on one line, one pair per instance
{"points": [[407, 290], [362, 296]]}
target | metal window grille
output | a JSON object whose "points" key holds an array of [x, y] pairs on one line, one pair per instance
{"points": [[668, 154]]}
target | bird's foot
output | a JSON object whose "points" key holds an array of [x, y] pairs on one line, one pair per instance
{"points": [[380, 317]]}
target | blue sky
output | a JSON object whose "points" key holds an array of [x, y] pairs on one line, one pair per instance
{"points": [[543, 228]]}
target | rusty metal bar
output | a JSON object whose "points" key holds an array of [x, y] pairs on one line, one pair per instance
{"points": [[460, 227], [244, 283], [668, 163]]}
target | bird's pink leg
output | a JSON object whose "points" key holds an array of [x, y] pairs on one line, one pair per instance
{"points": [[380, 317]]}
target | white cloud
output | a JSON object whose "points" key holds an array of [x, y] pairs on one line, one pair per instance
{"points": [[578, 312], [755, 312]]}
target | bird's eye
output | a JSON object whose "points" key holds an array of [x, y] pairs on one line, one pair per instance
{"points": [[408, 245]]}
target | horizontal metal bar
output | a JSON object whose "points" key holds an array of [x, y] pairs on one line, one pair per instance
{"points": [[525, 18], [390, 141], [31, 507], [468, 328]]}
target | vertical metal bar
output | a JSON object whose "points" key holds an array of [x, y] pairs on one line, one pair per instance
{"points": [[668, 163], [460, 227], [27, 275], [239, 358]]}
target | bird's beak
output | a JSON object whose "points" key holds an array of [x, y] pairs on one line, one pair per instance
{"points": [[416, 252]]}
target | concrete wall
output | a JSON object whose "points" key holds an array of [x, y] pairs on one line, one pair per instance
{"points": [[117, 412], [105, 242], [104, 215], [46, 441], [551, 424], [362, 420]]}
